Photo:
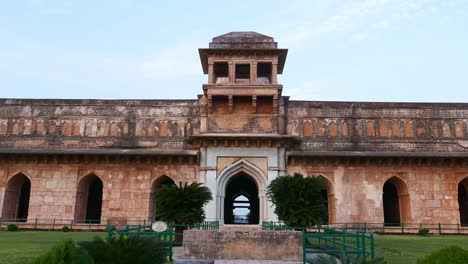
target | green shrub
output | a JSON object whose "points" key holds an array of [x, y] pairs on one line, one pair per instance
{"points": [[65, 252], [12, 227], [66, 229], [452, 255], [122, 250], [424, 231], [298, 199]]}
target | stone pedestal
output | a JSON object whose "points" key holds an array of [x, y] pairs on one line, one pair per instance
{"points": [[242, 245]]}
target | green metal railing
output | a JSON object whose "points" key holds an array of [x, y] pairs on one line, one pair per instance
{"points": [[390, 228], [172, 237], [326, 240], [402, 228]]}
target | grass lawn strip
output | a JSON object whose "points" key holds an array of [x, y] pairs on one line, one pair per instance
{"points": [[407, 249], [22, 247]]}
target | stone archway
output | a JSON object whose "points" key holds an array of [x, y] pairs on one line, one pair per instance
{"points": [[245, 169], [463, 201], [88, 206], [329, 195], [235, 209], [160, 181], [16, 199], [396, 202]]}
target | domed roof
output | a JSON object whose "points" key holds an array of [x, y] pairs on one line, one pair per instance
{"points": [[243, 40]]}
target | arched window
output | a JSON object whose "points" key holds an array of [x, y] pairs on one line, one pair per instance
{"points": [[16, 199], [241, 210], [163, 180], [463, 201], [396, 202], [88, 207]]}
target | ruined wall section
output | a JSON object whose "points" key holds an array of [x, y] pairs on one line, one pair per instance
{"points": [[355, 190], [127, 186], [406, 127], [91, 124]]}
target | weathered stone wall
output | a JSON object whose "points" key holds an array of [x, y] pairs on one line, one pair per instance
{"points": [[126, 186], [86, 124], [251, 245], [356, 189], [348, 126]]}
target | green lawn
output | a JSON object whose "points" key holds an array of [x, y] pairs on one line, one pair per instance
{"points": [[407, 249], [22, 247]]}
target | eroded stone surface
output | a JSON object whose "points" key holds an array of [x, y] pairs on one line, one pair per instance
{"points": [[252, 245]]}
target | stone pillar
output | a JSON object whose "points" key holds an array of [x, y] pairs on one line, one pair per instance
{"points": [[211, 77], [274, 72], [210, 208], [253, 72], [232, 72]]}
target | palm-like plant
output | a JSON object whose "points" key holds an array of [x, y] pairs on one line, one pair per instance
{"points": [[182, 204], [119, 250], [298, 199]]}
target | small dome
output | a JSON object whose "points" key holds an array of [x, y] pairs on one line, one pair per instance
{"points": [[243, 40]]}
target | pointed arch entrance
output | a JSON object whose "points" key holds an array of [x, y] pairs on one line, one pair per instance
{"points": [[163, 180], [241, 178], [88, 206], [16, 199], [241, 204], [463, 201], [396, 202]]}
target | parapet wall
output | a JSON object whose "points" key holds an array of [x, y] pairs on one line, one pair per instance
{"points": [[392, 127], [89, 124]]}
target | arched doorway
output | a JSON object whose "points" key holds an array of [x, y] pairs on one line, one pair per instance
{"points": [[163, 180], [463, 201], [396, 202], [16, 199], [88, 207], [241, 203], [328, 195], [232, 178]]}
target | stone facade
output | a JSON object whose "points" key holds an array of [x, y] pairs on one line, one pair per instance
{"points": [[241, 124]]}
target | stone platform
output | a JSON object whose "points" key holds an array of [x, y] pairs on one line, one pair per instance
{"points": [[241, 246]]}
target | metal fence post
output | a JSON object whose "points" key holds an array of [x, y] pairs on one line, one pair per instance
{"points": [[53, 225], [402, 228], [372, 247], [35, 224], [440, 229]]}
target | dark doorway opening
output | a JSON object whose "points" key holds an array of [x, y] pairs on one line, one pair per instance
{"points": [[94, 204], [88, 206], [325, 215], [23, 205], [16, 199], [391, 205], [463, 201], [241, 204], [159, 182]]}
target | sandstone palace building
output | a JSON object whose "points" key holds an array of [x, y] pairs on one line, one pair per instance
{"points": [[100, 160]]}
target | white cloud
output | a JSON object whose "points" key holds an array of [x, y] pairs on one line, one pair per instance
{"points": [[358, 18]]}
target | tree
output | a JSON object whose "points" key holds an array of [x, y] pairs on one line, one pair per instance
{"points": [[182, 204], [298, 199]]}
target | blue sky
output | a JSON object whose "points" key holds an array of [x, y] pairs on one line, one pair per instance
{"points": [[379, 50]]}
